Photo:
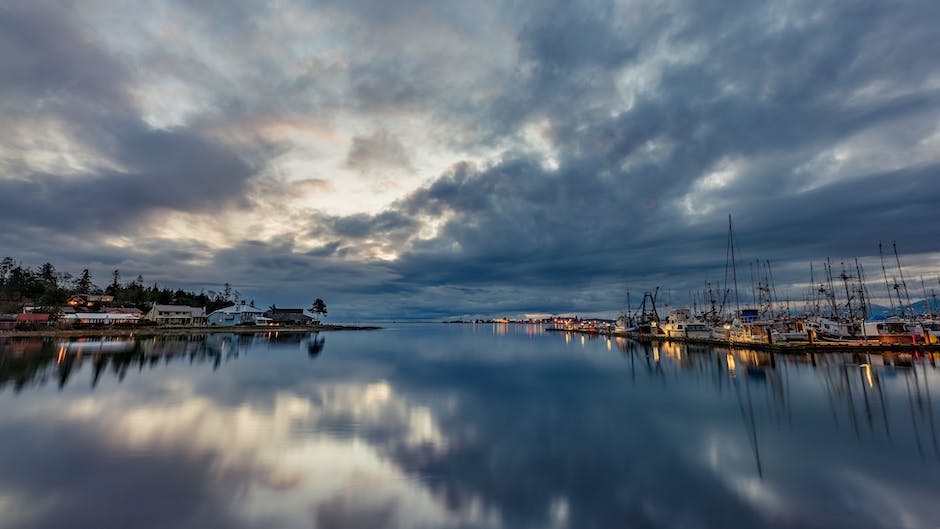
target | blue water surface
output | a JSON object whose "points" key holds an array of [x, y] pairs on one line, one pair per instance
{"points": [[463, 426]]}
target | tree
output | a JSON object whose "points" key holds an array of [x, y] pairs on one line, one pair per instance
{"points": [[47, 275], [319, 307], [6, 266], [115, 287], [83, 283]]}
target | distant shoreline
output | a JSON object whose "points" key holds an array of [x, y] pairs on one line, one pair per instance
{"points": [[169, 331]]}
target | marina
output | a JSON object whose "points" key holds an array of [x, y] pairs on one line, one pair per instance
{"points": [[836, 313]]}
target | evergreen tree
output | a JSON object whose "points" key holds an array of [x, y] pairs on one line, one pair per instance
{"points": [[47, 275], [319, 307], [115, 287], [83, 284]]}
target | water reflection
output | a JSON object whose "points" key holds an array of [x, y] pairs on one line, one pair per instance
{"points": [[854, 385], [462, 426], [28, 361]]}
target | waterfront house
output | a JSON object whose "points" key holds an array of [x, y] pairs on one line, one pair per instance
{"points": [[32, 319], [177, 315], [240, 314], [291, 317], [90, 300], [99, 318]]}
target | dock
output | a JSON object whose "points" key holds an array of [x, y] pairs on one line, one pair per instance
{"points": [[781, 347]]}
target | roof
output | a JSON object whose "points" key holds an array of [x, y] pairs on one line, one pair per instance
{"points": [[237, 309], [123, 310], [100, 316], [195, 311], [32, 317]]}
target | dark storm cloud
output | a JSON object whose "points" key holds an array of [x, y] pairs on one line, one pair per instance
{"points": [[813, 123], [45, 59], [166, 170], [595, 218], [53, 71]]}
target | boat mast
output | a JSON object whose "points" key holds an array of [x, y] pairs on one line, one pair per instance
{"points": [[862, 291], [734, 274], [901, 274], [813, 290], [926, 299], [885, 272], [848, 296], [831, 291], [773, 288]]}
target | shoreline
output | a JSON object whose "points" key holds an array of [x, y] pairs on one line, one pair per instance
{"points": [[170, 331]]}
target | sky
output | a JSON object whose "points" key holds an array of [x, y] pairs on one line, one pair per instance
{"points": [[433, 159]]}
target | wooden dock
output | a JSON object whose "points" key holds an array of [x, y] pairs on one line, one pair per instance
{"points": [[782, 347]]}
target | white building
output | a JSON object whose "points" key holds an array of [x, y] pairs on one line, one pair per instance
{"points": [[238, 315], [177, 315]]}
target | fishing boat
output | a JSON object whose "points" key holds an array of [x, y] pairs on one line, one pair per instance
{"points": [[681, 324], [894, 330], [833, 330]]}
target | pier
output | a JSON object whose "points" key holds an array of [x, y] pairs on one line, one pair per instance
{"points": [[781, 347]]}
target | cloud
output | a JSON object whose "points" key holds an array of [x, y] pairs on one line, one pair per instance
{"points": [[377, 151], [467, 161]]}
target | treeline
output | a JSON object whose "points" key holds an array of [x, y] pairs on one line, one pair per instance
{"points": [[48, 288]]}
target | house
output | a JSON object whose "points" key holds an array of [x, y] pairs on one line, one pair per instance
{"points": [[291, 316], [241, 314], [90, 300], [177, 315], [32, 319], [99, 318]]}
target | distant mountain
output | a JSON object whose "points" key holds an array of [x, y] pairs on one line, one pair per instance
{"points": [[920, 307]]}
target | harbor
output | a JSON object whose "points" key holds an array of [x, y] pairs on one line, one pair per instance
{"points": [[839, 309], [781, 347]]}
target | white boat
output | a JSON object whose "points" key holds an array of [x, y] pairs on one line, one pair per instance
{"points": [[894, 330], [830, 330], [680, 324]]}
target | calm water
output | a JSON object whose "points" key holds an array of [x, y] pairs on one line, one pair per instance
{"points": [[461, 426]]}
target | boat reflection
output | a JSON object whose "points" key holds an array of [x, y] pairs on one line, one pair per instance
{"points": [[855, 386]]}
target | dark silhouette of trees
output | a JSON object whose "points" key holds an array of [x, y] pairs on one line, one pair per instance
{"points": [[83, 284], [48, 288], [319, 307]]}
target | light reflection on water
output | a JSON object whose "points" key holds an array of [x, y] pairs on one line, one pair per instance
{"points": [[460, 426]]}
